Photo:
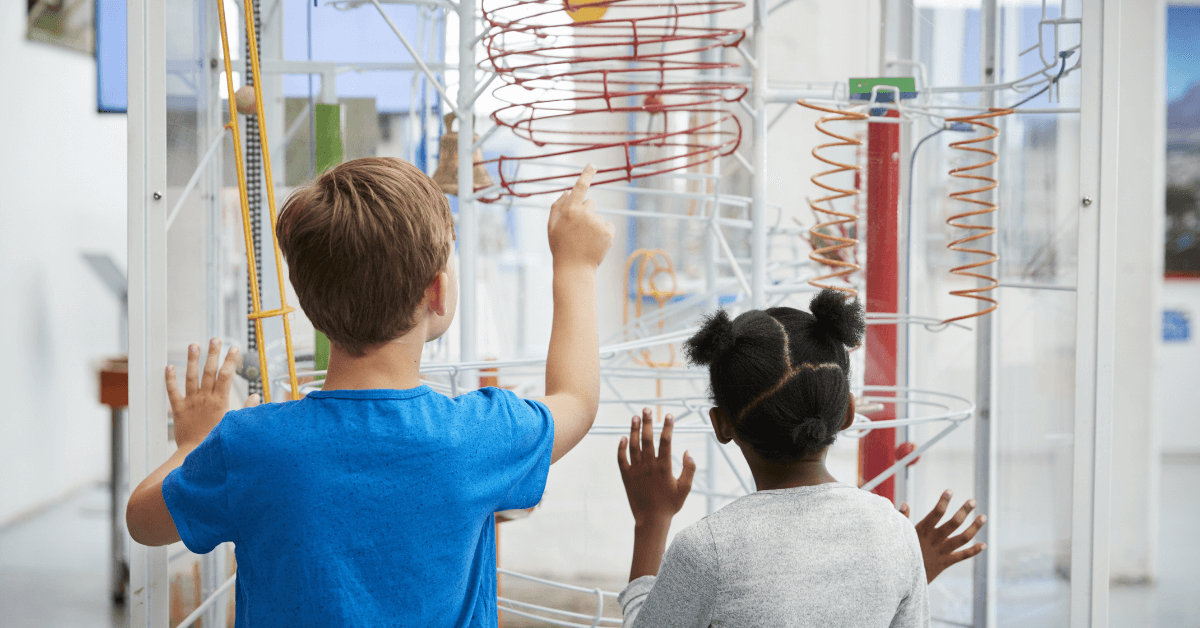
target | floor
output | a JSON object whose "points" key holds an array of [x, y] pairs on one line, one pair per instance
{"points": [[1174, 601], [54, 570], [54, 566]]}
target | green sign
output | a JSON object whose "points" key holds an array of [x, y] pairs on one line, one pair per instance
{"points": [[864, 85]]}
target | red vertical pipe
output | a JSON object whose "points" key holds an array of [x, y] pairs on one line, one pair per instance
{"points": [[877, 450]]}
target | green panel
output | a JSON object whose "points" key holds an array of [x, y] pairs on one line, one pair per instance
{"points": [[321, 355], [864, 85], [328, 120]]}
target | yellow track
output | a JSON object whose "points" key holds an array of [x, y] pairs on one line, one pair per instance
{"points": [[256, 302]]}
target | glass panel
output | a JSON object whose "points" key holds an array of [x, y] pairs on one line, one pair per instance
{"points": [[206, 267], [581, 533], [1033, 407]]}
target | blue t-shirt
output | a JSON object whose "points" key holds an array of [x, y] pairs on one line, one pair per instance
{"points": [[364, 507]]}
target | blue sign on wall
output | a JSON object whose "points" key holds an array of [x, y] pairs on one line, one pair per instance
{"points": [[1177, 326], [112, 67]]}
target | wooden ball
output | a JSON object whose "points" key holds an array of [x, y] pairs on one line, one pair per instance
{"points": [[582, 14], [245, 100]]}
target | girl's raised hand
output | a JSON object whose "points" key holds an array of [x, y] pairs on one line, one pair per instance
{"points": [[654, 493]]}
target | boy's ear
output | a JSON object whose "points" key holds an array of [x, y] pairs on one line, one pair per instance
{"points": [[721, 425], [849, 414], [437, 293]]}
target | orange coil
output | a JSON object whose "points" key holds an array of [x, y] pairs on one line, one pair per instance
{"points": [[646, 284], [975, 232], [832, 255], [257, 313]]}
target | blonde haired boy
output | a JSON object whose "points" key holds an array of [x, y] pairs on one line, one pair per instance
{"points": [[369, 502]]}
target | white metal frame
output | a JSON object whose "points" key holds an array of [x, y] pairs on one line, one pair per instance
{"points": [[1096, 300], [149, 219], [147, 121]]}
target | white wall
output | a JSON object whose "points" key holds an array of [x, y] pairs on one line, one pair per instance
{"points": [[1178, 364], [62, 174]]}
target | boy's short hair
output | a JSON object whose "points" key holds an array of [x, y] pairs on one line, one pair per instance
{"points": [[362, 243]]}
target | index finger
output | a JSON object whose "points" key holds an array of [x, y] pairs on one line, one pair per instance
{"points": [[582, 184]]}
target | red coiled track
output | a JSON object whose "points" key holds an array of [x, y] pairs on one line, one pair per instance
{"points": [[571, 84]]}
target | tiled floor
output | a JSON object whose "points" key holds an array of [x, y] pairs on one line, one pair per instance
{"points": [[54, 569], [1174, 601]]}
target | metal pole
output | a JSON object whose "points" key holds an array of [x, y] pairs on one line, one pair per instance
{"points": [[877, 450], [984, 577], [711, 247], [147, 237], [468, 223], [120, 569], [905, 484], [758, 186], [1099, 152]]}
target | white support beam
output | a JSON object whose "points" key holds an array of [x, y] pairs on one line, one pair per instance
{"points": [[1095, 311], [147, 214], [758, 161], [327, 70], [985, 570], [468, 220]]}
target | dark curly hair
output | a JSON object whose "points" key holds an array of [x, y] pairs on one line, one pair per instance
{"points": [[781, 374]]}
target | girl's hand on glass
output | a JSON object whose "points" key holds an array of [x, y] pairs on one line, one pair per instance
{"points": [[939, 548], [654, 493]]}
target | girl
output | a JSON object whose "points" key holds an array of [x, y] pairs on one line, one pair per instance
{"points": [[805, 550]]}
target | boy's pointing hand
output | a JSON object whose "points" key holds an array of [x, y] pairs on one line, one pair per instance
{"points": [[578, 236]]}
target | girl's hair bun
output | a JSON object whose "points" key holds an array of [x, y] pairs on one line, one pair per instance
{"points": [[838, 317], [715, 338], [813, 432]]}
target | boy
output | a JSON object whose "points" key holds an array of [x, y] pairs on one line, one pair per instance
{"points": [[369, 502]]}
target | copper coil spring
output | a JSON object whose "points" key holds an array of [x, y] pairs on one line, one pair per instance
{"points": [[975, 231], [831, 255]]}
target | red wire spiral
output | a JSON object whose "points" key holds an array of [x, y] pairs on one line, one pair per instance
{"points": [[565, 80], [975, 232], [822, 255]]}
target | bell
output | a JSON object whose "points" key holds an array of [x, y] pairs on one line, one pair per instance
{"points": [[446, 175]]}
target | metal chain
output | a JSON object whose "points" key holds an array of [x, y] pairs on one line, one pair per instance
{"points": [[254, 190]]}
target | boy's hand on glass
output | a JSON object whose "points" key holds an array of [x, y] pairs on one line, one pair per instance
{"points": [[206, 396], [578, 236], [938, 548], [655, 495]]}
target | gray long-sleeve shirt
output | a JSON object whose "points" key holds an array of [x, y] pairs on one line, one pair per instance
{"points": [[820, 556]]}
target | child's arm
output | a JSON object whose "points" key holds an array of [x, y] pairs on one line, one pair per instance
{"points": [[579, 240], [938, 548], [204, 402], [654, 493], [686, 590]]}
